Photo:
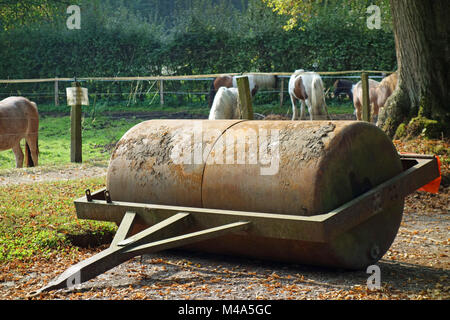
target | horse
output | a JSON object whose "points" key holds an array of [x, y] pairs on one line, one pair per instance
{"points": [[256, 82], [379, 92], [226, 104], [358, 100], [19, 119], [343, 86], [385, 89], [308, 88]]}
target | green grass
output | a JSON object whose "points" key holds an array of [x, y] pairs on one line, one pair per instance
{"points": [[39, 219], [54, 140]]}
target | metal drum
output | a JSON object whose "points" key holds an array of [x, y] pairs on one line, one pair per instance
{"points": [[304, 168]]}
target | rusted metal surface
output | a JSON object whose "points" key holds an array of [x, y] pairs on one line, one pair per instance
{"points": [[321, 166], [312, 168], [142, 166]]}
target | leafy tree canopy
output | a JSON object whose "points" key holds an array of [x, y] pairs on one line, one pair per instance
{"points": [[16, 13], [299, 12]]}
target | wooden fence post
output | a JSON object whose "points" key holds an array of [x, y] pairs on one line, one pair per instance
{"points": [[75, 129], [244, 97], [365, 97], [56, 92], [161, 92], [281, 92]]}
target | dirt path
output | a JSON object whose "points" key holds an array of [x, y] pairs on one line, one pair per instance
{"points": [[52, 173]]}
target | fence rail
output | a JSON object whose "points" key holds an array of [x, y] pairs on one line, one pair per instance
{"points": [[185, 77], [157, 86]]}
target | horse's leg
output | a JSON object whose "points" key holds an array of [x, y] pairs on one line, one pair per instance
{"points": [[302, 110], [19, 155], [294, 109], [357, 105], [358, 108], [326, 114], [32, 141], [374, 115]]}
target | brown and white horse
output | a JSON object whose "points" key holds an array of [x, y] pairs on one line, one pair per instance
{"points": [[256, 82], [19, 119], [307, 87], [379, 92]]}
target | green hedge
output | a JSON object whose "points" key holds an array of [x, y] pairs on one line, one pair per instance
{"points": [[101, 50], [128, 46]]}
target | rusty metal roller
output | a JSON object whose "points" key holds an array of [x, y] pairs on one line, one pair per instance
{"points": [[302, 168]]}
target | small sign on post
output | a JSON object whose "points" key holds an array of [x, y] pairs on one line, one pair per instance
{"points": [[245, 97], [76, 97]]}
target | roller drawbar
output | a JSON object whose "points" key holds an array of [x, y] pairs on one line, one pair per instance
{"points": [[310, 192]]}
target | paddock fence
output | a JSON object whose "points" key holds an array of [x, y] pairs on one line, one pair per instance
{"points": [[170, 91], [118, 103]]}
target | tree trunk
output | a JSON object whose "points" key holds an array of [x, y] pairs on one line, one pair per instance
{"points": [[421, 29]]}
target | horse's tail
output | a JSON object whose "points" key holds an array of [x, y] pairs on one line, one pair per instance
{"points": [[318, 97], [28, 159], [37, 146], [212, 94], [315, 94]]}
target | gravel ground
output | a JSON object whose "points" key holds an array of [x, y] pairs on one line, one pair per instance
{"points": [[52, 173], [417, 266]]}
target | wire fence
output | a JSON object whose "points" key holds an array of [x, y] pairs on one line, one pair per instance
{"points": [[138, 99], [171, 91]]}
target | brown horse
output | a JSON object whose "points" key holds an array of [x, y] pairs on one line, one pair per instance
{"points": [[379, 92], [222, 81], [358, 99], [19, 119], [386, 88]]}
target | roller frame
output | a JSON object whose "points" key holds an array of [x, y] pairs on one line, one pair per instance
{"points": [[168, 222]]}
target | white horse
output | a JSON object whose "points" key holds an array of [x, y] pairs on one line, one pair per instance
{"points": [[307, 87], [256, 82], [226, 104]]}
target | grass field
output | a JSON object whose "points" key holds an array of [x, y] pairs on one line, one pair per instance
{"points": [[99, 134], [38, 219]]}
